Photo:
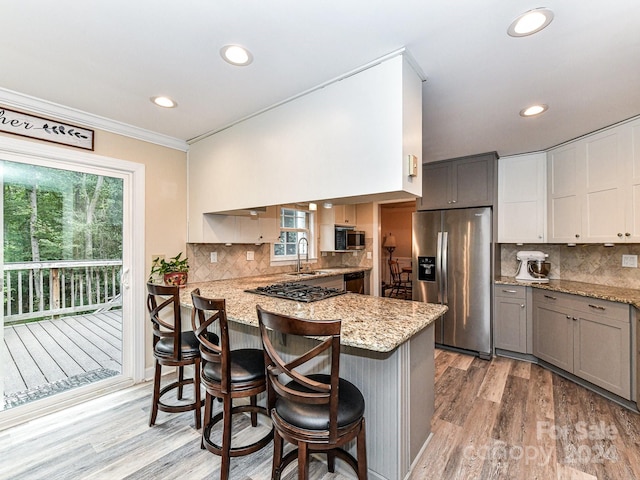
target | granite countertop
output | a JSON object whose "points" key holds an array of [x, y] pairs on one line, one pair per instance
{"points": [[371, 323], [603, 292]]}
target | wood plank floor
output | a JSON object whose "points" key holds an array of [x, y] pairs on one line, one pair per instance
{"points": [[508, 419], [502, 419], [49, 351]]}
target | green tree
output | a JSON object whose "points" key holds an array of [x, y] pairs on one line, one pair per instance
{"points": [[54, 214]]}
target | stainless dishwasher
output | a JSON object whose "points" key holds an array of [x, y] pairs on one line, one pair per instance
{"points": [[354, 282]]}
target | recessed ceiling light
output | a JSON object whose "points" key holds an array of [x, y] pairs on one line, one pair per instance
{"points": [[236, 55], [530, 22], [163, 101], [533, 110]]}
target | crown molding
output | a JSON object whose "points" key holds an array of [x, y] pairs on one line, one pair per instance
{"points": [[38, 106]]}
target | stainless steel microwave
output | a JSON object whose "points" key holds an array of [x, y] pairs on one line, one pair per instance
{"points": [[348, 238]]}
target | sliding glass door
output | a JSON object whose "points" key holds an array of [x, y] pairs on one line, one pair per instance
{"points": [[66, 261]]}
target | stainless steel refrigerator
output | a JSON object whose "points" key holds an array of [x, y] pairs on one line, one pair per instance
{"points": [[452, 266]]}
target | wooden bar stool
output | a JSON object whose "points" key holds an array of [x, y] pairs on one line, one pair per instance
{"points": [[315, 412], [172, 348], [227, 374]]}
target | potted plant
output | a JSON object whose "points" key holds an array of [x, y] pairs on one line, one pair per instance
{"points": [[174, 271]]}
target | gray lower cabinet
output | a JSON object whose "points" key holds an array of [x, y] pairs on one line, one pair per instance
{"points": [[586, 337], [511, 319]]}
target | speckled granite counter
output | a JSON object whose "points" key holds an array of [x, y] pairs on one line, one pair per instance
{"points": [[603, 292], [371, 323]]}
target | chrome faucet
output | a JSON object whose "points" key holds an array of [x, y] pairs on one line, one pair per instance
{"points": [[298, 265]]}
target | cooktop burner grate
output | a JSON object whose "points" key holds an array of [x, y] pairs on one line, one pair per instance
{"points": [[297, 291]]}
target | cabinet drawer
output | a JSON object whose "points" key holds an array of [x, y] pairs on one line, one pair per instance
{"points": [[593, 306], [549, 297], [603, 309], [510, 291]]}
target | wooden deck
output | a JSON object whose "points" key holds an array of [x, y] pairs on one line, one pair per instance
{"points": [[59, 354]]}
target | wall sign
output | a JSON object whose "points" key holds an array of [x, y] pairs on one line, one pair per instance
{"points": [[31, 126]]}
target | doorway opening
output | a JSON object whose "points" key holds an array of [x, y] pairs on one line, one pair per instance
{"points": [[395, 244]]}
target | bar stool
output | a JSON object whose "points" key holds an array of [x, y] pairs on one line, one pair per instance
{"points": [[173, 348], [315, 412], [227, 374]]}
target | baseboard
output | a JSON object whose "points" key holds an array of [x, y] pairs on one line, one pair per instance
{"points": [[569, 376]]}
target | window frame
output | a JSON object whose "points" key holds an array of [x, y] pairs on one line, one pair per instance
{"points": [[310, 235]]}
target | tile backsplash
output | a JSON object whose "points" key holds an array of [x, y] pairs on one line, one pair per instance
{"points": [[591, 263], [232, 261]]}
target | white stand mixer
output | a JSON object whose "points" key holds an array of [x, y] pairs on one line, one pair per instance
{"points": [[533, 267]]}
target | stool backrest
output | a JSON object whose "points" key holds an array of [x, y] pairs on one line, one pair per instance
{"points": [[206, 312], [281, 372], [163, 303]]}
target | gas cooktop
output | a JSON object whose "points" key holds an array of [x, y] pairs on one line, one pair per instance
{"points": [[297, 291]]}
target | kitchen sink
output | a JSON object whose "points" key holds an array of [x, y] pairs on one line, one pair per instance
{"points": [[308, 273]]}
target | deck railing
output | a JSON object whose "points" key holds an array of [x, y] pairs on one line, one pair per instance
{"points": [[50, 289]]}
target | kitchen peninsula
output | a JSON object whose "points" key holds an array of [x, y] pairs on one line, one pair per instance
{"points": [[387, 351]]}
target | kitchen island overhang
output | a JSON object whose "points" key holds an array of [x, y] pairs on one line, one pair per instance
{"points": [[387, 348]]}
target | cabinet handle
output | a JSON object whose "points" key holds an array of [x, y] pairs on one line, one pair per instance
{"points": [[522, 305], [627, 234], [619, 235], [509, 291], [577, 235], [568, 317], [597, 307], [550, 297], [453, 201], [575, 319]]}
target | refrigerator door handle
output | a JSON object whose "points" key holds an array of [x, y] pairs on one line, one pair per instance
{"points": [[445, 257], [439, 266]]}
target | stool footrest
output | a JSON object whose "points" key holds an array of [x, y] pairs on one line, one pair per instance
{"points": [[241, 450]]}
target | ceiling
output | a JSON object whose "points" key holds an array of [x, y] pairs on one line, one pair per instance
{"points": [[109, 58]]}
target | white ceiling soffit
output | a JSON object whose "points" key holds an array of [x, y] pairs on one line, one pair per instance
{"points": [[108, 58]]}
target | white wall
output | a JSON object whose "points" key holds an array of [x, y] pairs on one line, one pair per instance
{"points": [[347, 139]]}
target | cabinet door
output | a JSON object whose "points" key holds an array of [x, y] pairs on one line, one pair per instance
{"points": [[247, 230], [522, 199], [602, 353], [218, 228], [345, 214], [632, 230], [472, 182], [564, 214], [435, 187], [603, 203], [511, 324], [327, 241], [553, 336]]}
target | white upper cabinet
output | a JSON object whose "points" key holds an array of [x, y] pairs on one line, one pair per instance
{"points": [[262, 228], [522, 198], [563, 196], [345, 215], [632, 232], [593, 188], [349, 138]]}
